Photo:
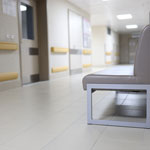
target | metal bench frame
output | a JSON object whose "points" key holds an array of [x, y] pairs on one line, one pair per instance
{"points": [[93, 87]]}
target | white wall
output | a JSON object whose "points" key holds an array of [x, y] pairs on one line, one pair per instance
{"points": [[103, 43], [58, 31], [98, 45], [112, 46], [9, 60]]}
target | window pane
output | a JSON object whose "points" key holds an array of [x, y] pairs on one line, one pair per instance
{"points": [[27, 21]]}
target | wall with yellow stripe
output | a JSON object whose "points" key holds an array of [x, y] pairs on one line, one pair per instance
{"points": [[59, 58], [87, 58], [59, 61], [112, 49], [9, 51]]}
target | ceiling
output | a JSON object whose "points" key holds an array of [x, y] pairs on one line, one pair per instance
{"points": [[104, 13]]}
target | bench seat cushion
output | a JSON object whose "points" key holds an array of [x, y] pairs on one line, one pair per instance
{"points": [[114, 75]]}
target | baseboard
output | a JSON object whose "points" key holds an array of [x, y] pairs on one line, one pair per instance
{"points": [[9, 85], [57, 75]]}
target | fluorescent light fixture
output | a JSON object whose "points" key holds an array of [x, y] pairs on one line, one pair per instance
{"points": [[124, 16], [23, 8], [105, 0], [132, 26]]}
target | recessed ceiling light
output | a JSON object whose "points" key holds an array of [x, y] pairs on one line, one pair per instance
{"points": [[132, 26], [124, 16], [105, 0]]}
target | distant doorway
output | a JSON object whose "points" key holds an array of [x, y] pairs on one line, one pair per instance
{"points": [[133, 42]]}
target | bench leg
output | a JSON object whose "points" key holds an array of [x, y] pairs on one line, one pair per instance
{"points": [[89, 105], [148, 109]]}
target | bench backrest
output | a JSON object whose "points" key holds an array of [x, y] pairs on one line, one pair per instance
{"points": [[142, 62]]}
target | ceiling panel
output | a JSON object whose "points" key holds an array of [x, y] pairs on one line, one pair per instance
{"points": [[104, 13]]}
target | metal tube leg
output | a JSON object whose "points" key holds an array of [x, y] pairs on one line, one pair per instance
{"points": [[148, 109], [89, 105]]}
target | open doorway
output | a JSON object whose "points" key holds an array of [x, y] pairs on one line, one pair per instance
{"points": [[133, 42]]}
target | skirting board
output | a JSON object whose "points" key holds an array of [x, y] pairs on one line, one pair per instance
{"points": [[59, 69], [8, 76], [8, 46], [59, 50], [10, 85]]}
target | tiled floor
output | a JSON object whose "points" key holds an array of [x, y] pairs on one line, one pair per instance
{"points": [[52, 116]]}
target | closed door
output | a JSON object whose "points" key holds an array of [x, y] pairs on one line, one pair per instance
{"points": [[29, 42], [132, 49], [75, 42]]}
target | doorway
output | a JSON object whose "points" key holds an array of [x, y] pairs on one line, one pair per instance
{"points": [[29, 42], [133, 42]]}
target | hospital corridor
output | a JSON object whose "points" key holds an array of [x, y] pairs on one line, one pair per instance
{"points": [[74, 74]]}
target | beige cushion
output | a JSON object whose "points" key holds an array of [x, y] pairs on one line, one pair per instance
{"points": [[142, 63], [114, 75], [139, 75]]}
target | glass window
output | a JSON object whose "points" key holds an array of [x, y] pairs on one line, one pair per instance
{"points": [[27, 21]]}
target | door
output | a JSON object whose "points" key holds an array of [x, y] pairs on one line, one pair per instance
{"points": [[75, 42], [29, 42], [132, 49]]}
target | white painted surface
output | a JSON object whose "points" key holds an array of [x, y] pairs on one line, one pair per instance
{"points": [[9, 60], [58, 29], [104, 13], [75, 31], [112, 46], [76, 61], [87, 59], [98, 45], [75, 39], [103, 43]]}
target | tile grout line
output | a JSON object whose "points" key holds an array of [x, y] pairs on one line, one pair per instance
{"points": [[64, 131], [98, 138], [35, 124]]}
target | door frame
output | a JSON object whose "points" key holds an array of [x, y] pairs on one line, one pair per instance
{"points": [[42, 44]]}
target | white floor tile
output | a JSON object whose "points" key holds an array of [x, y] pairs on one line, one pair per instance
{"points": [[52, 116], [79, 136]]}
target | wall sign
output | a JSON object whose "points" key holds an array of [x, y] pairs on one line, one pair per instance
{"points": [[9, 7], [86, 33]]}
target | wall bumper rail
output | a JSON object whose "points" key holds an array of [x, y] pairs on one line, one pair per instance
{"points": [[59, 50], [59, 69], [8, 76], [8, 46], [87, 52], [87, 65]]}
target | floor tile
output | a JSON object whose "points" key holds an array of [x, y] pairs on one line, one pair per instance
{"points": [[79, 136]]}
